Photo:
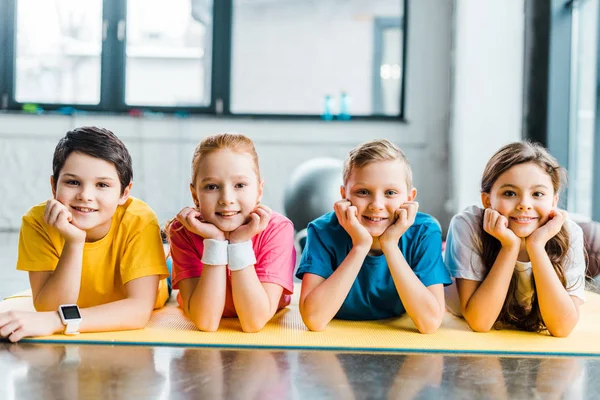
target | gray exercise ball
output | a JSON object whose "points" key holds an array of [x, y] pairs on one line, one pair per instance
{"points": [[312, 190]]}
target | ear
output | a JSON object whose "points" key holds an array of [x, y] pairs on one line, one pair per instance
{"points": [[261, 186], [125, 194], [194, 196], [343, 191], [52, 186], [555, 201], [485, 200], [412, 194]]}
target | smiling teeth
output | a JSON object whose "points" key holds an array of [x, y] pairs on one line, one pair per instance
{"points": [[523, 219], [374, 219], [82, 209], [228, 214]]}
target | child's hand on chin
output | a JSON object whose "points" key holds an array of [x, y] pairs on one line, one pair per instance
{"points": [[258, 221], [541, 236], [57, 215], [347, 215], [191, 219], [496, 225], [404, 218]]}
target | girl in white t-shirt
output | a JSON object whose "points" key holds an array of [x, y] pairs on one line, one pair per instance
{"points": [[519, 262]]}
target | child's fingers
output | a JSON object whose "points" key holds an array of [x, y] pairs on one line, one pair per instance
{"points": [[340, 208], [352, 213], [402, 216], [54, 213], [47, 209], [63, 217], [502, 221], [9, 328], [264, 208], [262, 213]]}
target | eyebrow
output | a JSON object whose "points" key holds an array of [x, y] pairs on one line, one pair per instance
{"points": [[508, 185], [100, 178], [366, 183], [211, 178]]}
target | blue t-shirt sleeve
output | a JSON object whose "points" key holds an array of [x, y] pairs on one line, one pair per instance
{"points": [[316, 259], [427, 262]]}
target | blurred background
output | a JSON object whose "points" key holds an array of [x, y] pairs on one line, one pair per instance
{"points": [[449, 81]]}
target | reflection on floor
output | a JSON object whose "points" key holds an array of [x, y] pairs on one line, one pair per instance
{"points": [[30, 371], [38, 371]]}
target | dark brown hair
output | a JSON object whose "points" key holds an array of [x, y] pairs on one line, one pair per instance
{"points": [[517, 153], [95, 142]]}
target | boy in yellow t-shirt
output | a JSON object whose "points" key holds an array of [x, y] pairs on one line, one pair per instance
{"points": [[91, 245]]}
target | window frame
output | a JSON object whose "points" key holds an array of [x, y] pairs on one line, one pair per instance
{"points": [[113, 58], [547, 94]]}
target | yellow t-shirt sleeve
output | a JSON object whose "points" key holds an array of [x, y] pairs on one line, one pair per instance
{"points": [[37, 251], [144, 255]]}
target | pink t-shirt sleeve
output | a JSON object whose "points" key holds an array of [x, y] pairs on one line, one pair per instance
{"points": [[186, 252], [275, 253]]}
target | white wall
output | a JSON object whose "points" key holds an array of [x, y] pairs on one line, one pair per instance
{"points": [[487, 80], [487, 109]]}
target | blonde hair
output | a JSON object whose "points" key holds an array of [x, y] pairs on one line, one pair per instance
{"points": [[373, 151], [231, 141]]}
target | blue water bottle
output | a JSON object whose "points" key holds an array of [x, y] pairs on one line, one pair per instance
{"points": [[344, 114], [327, 108]]}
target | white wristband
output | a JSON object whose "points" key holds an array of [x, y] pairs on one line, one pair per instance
{"points": [[215, 252], [241, 255]]}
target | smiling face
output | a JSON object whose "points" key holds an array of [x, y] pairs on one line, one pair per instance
{"points": [[524, 195], [226, 188], [90, 189], [377, 190]]}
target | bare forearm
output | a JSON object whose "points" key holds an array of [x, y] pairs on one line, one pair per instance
{"points": [[252, 303], [321, 305], [420, 303], [120, 315], [484, 306], [206, 304], [63, 286], [558, 310]]}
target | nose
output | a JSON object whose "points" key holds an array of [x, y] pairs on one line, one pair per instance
{"points": [[376, 202], [524, 203], [226, 196], [84, 193]]}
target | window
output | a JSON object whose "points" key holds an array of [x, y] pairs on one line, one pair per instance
{"points": [[167, 62], [584, 43], [562, 91], [231, 57], [294, 56], [58, 50]]}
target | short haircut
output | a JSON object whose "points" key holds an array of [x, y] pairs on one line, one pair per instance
{"points": [[95, 142], [373, 151]]}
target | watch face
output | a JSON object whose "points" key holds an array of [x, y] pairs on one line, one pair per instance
{"points": [[71, 312]]}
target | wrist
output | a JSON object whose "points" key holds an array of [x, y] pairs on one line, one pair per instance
{"points": [[534, 244], [388, 246], [214, 252], [235, 240], [240, 255], [75, 242], [361, 249], [511, 246], [57, 324]]}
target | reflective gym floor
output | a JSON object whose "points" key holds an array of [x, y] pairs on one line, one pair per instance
{"points": [[49, 371]]}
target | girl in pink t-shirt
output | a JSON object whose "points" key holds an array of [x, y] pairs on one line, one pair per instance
{"points": [[232, 256]]}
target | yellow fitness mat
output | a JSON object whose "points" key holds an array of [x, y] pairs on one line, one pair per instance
{"points": [[169, 327]]}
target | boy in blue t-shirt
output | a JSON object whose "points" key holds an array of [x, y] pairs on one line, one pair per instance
{"points": [[375, 256]]}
